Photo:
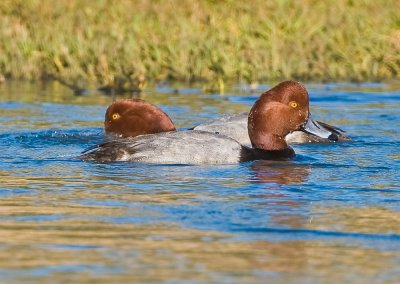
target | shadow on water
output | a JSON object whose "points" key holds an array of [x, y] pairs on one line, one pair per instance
{"points": [[329, 215]]}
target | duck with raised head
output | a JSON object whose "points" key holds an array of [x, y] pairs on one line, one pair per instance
{"points": [[278, 112], [235, 125]]}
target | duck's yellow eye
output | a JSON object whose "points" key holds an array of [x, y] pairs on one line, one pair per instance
{"points": [[115, 116], [293, 104]]}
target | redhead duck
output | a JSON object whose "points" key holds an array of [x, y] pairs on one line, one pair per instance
{"points": [[280, 111], [235, 126], [130, 118]]}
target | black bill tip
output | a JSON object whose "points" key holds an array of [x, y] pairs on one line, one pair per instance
{"points": [[333, 137]]}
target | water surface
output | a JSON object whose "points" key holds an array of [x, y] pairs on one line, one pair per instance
{"points": [[331, 215]]}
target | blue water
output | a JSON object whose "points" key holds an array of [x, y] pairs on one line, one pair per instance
{"points": [[332, 215]]}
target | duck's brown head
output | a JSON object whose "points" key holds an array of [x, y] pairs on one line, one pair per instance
{"points": [[279, 111], [130, 118]]}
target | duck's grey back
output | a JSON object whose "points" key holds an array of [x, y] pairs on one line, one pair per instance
{"points": [[234, 126], [185, 147]]}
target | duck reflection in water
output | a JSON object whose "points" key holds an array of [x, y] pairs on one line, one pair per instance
{"points": [[283, 207], [279, 172]]}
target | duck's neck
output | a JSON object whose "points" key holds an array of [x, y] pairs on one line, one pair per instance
{"points": [[269, 147], [269, 142]]}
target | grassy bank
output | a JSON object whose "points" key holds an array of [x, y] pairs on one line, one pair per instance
{"points": [[128, 42]]}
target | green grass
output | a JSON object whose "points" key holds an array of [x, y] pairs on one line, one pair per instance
{"points": [[125, 43]]}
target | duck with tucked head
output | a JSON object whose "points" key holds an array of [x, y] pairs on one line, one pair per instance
{"points": [[131, 118], [278, 112]]}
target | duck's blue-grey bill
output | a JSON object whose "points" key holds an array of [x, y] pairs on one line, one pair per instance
{"points": [[313, 127]]}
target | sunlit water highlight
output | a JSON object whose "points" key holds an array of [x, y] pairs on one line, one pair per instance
{"points": [[332, 215]]}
